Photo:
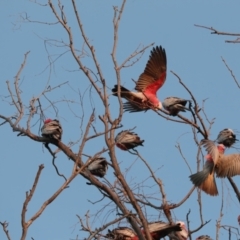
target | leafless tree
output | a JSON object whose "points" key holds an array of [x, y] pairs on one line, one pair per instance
{"points": [[128, 201]]}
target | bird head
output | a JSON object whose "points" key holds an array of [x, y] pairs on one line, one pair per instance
{"points": [[47, 120]]}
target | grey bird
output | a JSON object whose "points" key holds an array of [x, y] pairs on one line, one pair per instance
{"points": [[122, 233], [126, 140], [204, 237], [98, 167], [52, 129], [174, 105], [226, 137]]}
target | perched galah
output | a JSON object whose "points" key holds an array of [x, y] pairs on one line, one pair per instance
{"points": [[157, 230], [226, 137], [179, 235], [147, 85], [238, 219], [204, 237], [126, 140], [161, 229], [216, 162], [174, 105], [52, 129], [122, 233], [98, 167]]}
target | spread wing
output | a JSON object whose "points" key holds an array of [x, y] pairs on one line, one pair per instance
{"points": [[211, 149], [154, 74], [228, 165]]}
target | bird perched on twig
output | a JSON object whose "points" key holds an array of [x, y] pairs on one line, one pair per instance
{"points": [[216, 162], [204, 237], [226, 137], [157, 230], [147, 85], [98, 167], [179, 235], [174, 105], [126, 140], [52, 129]]}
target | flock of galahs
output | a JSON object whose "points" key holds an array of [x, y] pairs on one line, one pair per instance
{"points": [[144, 99]]}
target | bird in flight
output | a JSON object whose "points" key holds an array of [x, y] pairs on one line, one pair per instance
{"points": [[52, 129], [149, 82], [216, 162], [174, 105]]}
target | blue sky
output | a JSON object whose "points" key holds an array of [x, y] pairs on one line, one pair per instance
{"points": [[193, 53]]}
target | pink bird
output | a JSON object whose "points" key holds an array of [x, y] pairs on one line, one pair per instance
{"points": [[204, 237], [126, 140], [217, 162], [98, 167], [174, 105], [147, 85], [226, 137], [52, 129], [238, 219]]}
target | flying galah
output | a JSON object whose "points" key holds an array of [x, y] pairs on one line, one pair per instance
{"points": [[147, 85], [126, 140], [174, 105], [216, 162], [179, 235], [226, 137], [52, 129], [98, 167], [204, 237], [157, 230]]}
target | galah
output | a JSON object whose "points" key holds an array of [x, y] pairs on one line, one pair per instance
{"points": [[226, 137], [122, 233], [179, 235], [174, 105], [238, 219], [98, 167], [157, 230], [216, 162], [204, 237], [147, 85], [161, 229], [52, 129], [126, 140]]}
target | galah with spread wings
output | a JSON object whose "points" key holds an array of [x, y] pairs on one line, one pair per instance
{"points": [[226, 137], [204, 237], [126, 140], [98, 167], [157, 230], [174, 105], [147, 85], [216, 162], [52, 129]]}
